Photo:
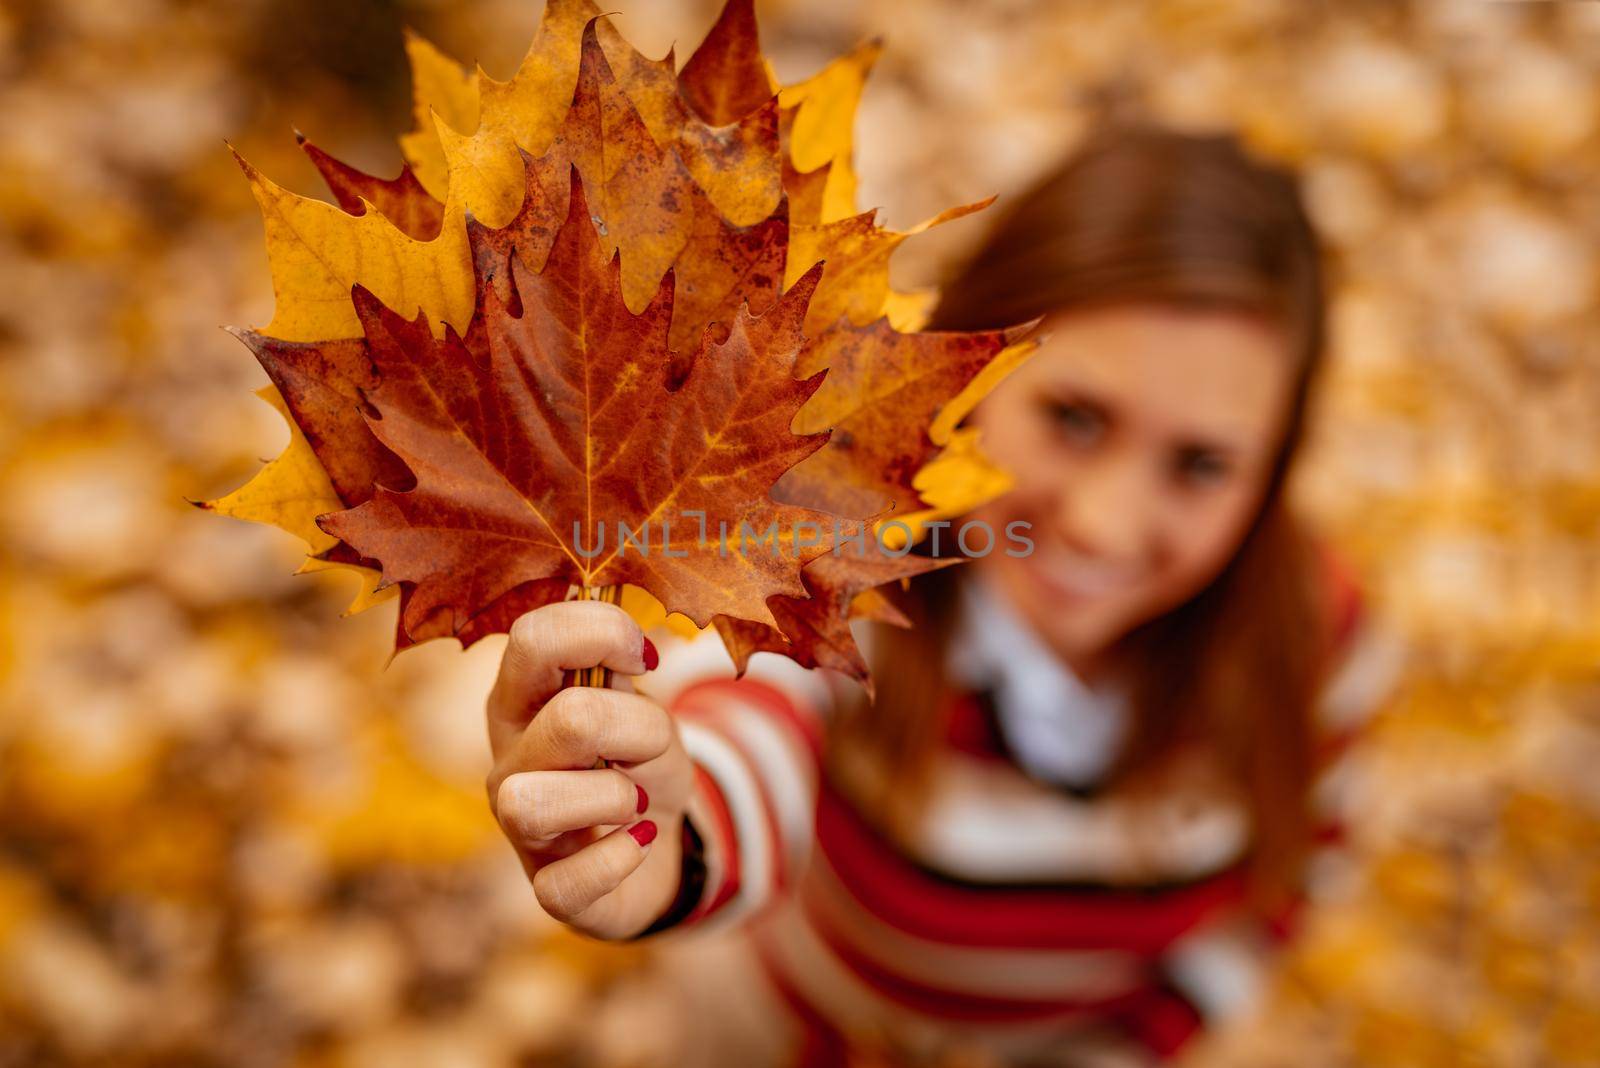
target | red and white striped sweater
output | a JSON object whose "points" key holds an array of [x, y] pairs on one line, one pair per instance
{"points": [[1025, 917]]}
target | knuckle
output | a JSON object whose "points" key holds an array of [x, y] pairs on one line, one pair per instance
{"points": [[573, 716]]}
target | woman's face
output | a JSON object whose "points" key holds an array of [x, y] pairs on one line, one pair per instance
{"points": [[1141, 439]]}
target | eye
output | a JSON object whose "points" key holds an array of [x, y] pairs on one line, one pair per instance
{"points": [[1079, 423], [1200, 466]]}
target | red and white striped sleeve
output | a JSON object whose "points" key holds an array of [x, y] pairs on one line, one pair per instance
{"points": [[756, 743]]}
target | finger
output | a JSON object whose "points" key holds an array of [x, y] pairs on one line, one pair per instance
{"points": [[557, 638], [583, 724], [566, 887], [536, 806]]}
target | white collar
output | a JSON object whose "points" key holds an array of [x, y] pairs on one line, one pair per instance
{"points": [[1058, 728]]}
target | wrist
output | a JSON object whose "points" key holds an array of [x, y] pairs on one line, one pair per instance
{"points": [[690, 883]]}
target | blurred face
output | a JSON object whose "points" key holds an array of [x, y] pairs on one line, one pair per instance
{"points": [[1141, 439]]}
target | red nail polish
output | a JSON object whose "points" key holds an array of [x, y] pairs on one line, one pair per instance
{"points": [[644, 832], [651, 657], [644, 798]]}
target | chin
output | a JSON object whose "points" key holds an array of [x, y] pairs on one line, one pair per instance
{"points": [[1081, 633]]}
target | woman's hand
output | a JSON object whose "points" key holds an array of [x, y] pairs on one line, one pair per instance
{"points": [[602, 846]]}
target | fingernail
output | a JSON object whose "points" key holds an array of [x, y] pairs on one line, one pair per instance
{"points": [[644, 832], [651, 657], [644, 798]]}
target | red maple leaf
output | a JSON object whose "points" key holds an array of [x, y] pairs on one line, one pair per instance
{"points": [[552, 421]]}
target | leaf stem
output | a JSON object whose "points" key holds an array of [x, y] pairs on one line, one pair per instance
{"points": [[596, 676]]}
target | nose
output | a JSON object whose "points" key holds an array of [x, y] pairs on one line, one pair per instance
{"points": [[1106, 509]]}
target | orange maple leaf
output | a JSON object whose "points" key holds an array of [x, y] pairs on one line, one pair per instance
{"points": [[402, 200], [814, 631], [552, 421], [883, 388], [573, 352]]}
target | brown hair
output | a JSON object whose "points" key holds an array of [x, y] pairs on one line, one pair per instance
{"points": [[1142, 215]]}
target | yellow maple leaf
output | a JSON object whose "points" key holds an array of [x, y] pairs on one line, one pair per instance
{"points": [[822, 131], [317, 251], [650, 614], [855, 283], [482, 161], [909, 311], [962, 476], [441, 91], [289, 493], [668, 190]]}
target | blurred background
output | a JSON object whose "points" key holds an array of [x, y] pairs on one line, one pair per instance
{"points": [[232, 834]]}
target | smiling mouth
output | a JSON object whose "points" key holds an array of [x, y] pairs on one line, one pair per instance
{"points": [[1067, 574]]}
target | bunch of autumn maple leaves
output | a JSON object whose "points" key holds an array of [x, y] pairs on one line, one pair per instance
{"points": [[608, 294]]}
